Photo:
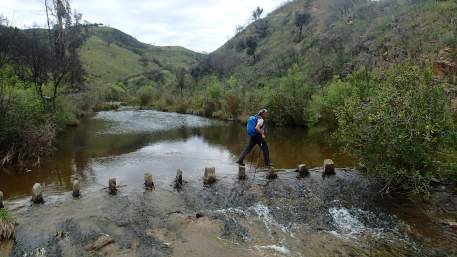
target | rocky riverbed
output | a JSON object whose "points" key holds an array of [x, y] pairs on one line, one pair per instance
{"points": [[334, 216]]}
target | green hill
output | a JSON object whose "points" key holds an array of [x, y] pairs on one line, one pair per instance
{"points": [[112, 57], [337, 36]]}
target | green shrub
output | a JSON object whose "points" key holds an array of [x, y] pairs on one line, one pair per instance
{"points": [[232, 104], [397, 130], [450, 39], [288, 98], [114, 92], [145, 95], [27, 129], [323, 106]]}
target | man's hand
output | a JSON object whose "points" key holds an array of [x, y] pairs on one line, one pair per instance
{"points": [[263, 135]]}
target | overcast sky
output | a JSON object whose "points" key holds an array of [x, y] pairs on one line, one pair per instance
{"points": [[200, 25]]}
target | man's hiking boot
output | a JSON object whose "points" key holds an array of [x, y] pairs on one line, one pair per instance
{"points": [[239, 163]]}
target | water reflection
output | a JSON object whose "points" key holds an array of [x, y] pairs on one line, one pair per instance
{"points": [[126, 144]]}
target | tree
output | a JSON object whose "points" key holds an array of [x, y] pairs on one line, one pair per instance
{"points": [[300, 20], [180, 74], [396, 123], [239, 29], [64, 39], [257, 13]]}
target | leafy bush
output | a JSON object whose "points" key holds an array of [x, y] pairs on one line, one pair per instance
{"points": [[450, 39], [322, 107], [145, 95], [27, 130], [114, 92], [288, 98], [232, 104], [398, 128]]}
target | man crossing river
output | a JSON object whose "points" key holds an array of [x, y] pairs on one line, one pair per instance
{"points": [[256, 132]]}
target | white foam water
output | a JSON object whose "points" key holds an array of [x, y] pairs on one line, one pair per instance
{"points": [[345, 222], [279, 249]]}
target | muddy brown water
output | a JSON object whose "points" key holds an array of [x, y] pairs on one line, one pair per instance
{"points": [[337, 216]]}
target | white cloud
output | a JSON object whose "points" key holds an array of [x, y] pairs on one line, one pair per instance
{"points": [[201, 25]]}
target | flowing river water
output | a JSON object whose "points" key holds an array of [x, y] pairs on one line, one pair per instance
{"points": [[342, 215]]}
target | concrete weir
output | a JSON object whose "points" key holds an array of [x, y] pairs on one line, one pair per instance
{"points": [[209, 176]]}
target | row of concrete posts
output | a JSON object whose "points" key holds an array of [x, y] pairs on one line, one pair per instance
{"points": [[209, 177]]}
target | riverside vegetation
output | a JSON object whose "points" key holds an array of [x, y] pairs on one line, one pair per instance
{"points": [[361, 69]]}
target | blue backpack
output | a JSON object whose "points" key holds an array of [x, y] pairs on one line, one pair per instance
{"points": [[250, 126]]}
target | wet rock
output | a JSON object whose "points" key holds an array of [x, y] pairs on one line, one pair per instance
{"points": [[233, 231], [272, 173], [178, 180], [210, 176], [302, 171], [242, 172], [101, 242], [112, 188], [76, 189], [1, 200], [329, 167], [37, 193], [148, 181]]}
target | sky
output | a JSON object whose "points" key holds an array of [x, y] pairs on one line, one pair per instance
{"points": [[200, 25]]}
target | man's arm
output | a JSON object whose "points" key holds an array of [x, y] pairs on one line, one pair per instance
{"points": [[259, 130]]}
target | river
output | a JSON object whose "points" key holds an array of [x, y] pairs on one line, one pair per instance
{"points": [[341, 215]]}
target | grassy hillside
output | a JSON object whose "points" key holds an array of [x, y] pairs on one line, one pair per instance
{"points": [[111, 57], [338, 35]]}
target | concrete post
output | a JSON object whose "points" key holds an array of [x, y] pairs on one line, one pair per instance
{"points": [[1, 200], [242, 172], [302, 171], [271, 173], [329, 167], [112, 188], [76, 189], [37, 193], [210, 176], [178, 180], [148, 181]]}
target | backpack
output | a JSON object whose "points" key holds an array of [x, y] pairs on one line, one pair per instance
{"points": [[250, 126]]}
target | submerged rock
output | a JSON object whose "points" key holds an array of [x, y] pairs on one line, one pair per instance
{"points": [[101, 242]]}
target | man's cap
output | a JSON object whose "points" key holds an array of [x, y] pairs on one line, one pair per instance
{"points": [[262, 111]]}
